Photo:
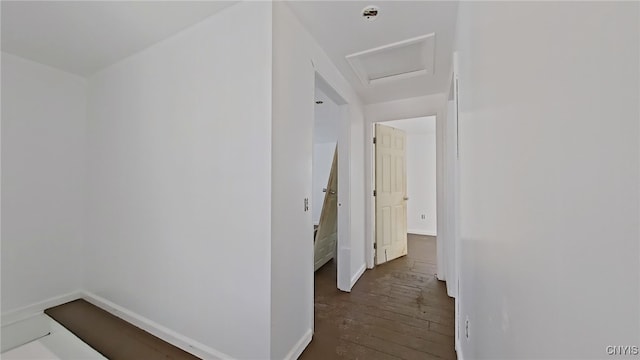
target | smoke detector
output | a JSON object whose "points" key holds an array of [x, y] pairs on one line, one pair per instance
{"points": [[370, 12]]}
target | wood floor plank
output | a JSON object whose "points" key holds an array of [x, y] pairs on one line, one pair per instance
{"points": [[398, 310], [386, 346], [372, 321], [349, 350], [411, 341], [111, 336]]}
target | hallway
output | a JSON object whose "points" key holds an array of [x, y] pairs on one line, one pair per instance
{"points": [[398, 310]]}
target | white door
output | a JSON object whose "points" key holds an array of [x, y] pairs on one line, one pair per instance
{"points": [[391, 194], [324, 245]]}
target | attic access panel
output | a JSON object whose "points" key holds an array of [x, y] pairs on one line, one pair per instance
{"points": [[401, 60]]}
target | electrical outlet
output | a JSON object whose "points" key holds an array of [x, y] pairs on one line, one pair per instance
{"points": [[466, 328], [423, 216]]}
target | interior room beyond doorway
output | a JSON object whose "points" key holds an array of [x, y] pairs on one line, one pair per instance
{"points": [[418, 139]]}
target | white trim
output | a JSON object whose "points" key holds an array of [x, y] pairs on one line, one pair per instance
{"points": [[459, 350], [299, 347], [24, 331], [62, 343], [357, 275], [26, 312], [450, 290], [164, 333], [343, 251], [401, 76], [456, 220], [421, 232], [428, 64]]}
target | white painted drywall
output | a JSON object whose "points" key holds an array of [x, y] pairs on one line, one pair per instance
{"points": [[327, 118], [452, 189], [179, 162], [549, 138], [322, 160], [292, 226], [83, 37], [178, 155], [421, 183], [326, 125], [421, 173], [43, 113], [297, 57]]}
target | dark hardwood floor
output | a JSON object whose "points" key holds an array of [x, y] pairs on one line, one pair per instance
{"points": [[398, 310], [111, 336]]}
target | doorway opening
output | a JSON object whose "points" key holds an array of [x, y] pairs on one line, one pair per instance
{"points": [[324, 197], [398, 309], [404, 180], [329, 175]]}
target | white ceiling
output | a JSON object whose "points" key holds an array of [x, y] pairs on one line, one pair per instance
{"points": [[83, 37], [340, 31], [326, 121], [421, 125]]}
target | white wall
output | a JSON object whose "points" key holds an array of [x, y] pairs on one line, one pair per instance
{"points": [[421, 184], [549, 178], [179, 158], [179, 183], [292, 227], [43, 112], [326, 125], [421, 173], [322, 160], [327, 118], [297, 57], [452, 189]]}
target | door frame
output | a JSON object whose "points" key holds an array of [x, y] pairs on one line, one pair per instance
{"points": [[429, 105], [370, 180], [343, 251], [457, 266]]}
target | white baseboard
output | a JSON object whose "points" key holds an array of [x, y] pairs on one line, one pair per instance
{"points": [[459, 350], [421, 232], [450, 291], [38, 308], [299, 347], [164, 333], [21, 332], [357, 275]]}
